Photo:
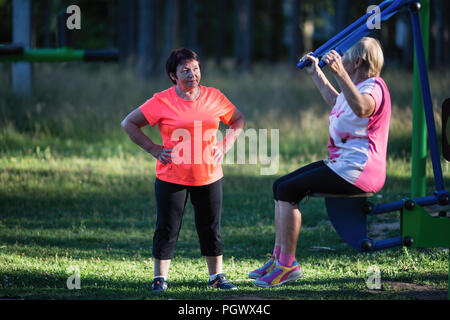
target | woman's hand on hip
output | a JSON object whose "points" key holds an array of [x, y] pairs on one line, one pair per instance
{"points": [[162, 154], [218, 152]]}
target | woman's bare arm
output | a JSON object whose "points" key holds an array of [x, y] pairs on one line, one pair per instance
{"points": [[326, 89], [132, 125], [236, 124], [362, 105]]}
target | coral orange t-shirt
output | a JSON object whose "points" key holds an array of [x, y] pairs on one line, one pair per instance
{"points": [[189, 128]]}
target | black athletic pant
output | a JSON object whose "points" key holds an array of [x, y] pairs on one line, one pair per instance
{"points": [[316, 177], [171, 200]]}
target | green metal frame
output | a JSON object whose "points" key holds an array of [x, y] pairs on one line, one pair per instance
{"points": [[58, 55], [45, 55], [419, 127], [425, 230]]}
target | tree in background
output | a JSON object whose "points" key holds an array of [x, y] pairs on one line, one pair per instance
{"points": [[191, 25], [220, 29], [246, 31], [243, 38], [127, 30], [342, 14], [440, 33], [147, 39], [171, 26], [295, 37]]}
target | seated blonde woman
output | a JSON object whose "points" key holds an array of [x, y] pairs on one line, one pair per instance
{"points": [[358, 136]]}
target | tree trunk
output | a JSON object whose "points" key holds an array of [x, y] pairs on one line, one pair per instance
{"points": [[296, 46], [112, 22], [308, 30], [276, 30], [237, 50], [403, 39], [21, 71], [267, 29], [146, 43], [192, 25], [437, 32], [170, 27], [446, 36], [127, 30], [47, 14], [219, 31], [243, 34], [342, 8]]}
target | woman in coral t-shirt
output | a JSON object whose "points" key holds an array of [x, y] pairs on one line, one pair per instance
{"points": [[189, 161]]}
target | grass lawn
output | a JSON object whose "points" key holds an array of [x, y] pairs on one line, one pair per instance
{"points": [[76, 193]]}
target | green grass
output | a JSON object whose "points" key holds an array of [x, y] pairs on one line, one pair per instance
{"points": [[74, 191]]}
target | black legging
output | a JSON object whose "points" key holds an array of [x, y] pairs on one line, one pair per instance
{"points": [[313, 178], [171, 200]]}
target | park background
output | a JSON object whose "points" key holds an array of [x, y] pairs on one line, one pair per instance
{"points": [[76, 194]]}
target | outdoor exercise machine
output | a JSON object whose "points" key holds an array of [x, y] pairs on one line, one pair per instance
{"points": [[63, 53], [348, 214], [14, 53]]}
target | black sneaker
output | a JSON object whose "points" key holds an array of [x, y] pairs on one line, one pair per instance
{"points": [[159, 284], [221, 282]]}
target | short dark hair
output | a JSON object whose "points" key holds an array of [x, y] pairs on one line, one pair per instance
{"points": [[177, 57]]}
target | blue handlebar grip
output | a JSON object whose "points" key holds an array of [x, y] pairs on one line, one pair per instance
{"points": [[306, 63], [303, 64], [322, 64]]}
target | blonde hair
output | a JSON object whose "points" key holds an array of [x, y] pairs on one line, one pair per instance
{"points": [[369, 50]]}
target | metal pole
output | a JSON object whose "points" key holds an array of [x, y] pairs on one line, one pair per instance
{"points": [[21, 71], [419, 130], [419, 133], [428, 104]]}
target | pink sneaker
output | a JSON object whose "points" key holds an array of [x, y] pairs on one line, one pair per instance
{"points": [[280, 275], [266, 268]]}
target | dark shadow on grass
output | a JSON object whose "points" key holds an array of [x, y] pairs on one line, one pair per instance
{"points": [[246, 215], [54, 286]]}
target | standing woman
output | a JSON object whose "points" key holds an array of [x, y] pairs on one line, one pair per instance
{"points": [[188, 163]]}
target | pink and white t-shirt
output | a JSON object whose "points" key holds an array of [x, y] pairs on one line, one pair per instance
{"points": [[357, 146]]}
